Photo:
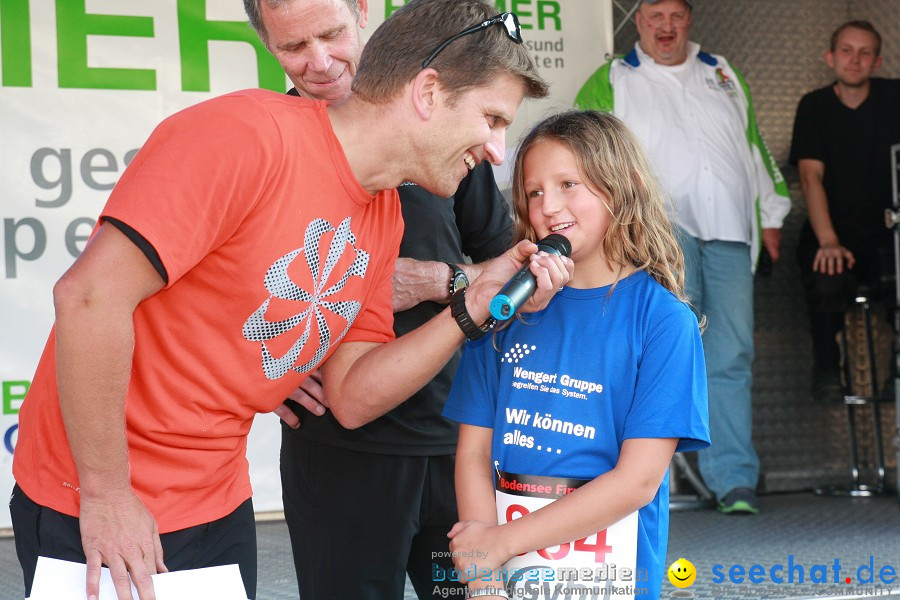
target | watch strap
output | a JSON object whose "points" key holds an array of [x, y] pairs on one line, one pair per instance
{"points": [[464, 319]]}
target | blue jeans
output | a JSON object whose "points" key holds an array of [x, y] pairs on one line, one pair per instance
{"points": [[719, 284]]}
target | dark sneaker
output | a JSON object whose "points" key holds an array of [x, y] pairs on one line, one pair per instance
{"points": [[827, 386], [739, 501]]}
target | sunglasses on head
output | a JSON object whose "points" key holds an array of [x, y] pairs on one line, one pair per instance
{"points": [[509, 21]]}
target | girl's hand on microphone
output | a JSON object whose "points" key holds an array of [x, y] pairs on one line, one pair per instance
{"points": [[551, 272]]}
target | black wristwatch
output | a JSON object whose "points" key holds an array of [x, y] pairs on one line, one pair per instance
{"points": [[464, 319], [458, 279]]}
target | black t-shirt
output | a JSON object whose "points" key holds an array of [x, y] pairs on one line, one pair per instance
{"points": [[855, 146], [475, 222]]}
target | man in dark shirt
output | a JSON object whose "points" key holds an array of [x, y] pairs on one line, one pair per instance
{"points": [[367, 506], [841, 144]]}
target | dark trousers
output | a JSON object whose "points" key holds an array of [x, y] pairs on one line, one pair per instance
{"points": [[829, 296], [360, 522], [41, 531]]}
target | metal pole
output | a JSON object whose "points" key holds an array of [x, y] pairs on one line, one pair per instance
{"points": [[895, 176]]}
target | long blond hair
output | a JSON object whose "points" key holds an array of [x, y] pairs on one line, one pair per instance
{"points": [[612, 161]]}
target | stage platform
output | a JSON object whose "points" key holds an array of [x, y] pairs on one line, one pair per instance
{"points": [[799, 528]]}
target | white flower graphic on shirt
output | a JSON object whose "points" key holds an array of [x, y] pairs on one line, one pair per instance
{"points": [[326, 283]]}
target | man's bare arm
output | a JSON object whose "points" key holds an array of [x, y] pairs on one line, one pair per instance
{"points": [[417, 281], [95, 301], [365, 380], [831, 256]]}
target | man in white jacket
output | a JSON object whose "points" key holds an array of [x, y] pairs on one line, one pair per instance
{"points": [[693, 112]]}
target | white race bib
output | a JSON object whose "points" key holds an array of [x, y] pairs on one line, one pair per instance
{"points": [[601, 566]]}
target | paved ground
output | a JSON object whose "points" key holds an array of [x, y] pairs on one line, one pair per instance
{"points": [[800, 529]]}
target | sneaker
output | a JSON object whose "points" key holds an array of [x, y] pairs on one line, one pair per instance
{"points": [[739, 501], [827, 386]]}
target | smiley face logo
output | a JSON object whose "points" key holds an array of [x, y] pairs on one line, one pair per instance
{"points": [[682, 573]]}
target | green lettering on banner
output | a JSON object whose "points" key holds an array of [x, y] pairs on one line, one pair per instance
{"points": [[15, 43], [547, 10], [518, 7], [391, 5], [74, 25], [14, 391], [194, 33]]}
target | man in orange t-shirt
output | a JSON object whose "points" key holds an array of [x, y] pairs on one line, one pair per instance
{"points": [[248, 243]]}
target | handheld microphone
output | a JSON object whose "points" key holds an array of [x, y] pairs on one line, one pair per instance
{"points": [[522, 285]]}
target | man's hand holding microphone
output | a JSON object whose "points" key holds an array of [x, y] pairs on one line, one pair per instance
{"points": [[523, 284], [507, 286]]}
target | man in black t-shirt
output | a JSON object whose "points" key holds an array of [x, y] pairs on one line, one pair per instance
{"points": [[841, 146], [366, 507]]}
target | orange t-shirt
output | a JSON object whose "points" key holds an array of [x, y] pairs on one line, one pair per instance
{"points": [[274, 254]]}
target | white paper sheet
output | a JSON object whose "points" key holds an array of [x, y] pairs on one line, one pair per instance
{"points": [[63, 580]]}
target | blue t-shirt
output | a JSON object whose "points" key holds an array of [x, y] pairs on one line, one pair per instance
{"points": [[605, 366]]}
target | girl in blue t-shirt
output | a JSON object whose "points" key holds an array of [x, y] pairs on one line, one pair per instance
{"points": [[570, 417]]}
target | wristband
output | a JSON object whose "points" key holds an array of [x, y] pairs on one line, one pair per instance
{"points": [[464, 320]]}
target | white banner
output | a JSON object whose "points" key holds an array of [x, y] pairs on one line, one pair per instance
{"points": [[83, 83]]}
